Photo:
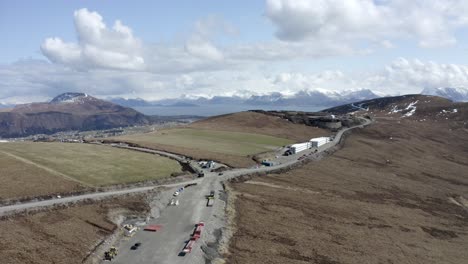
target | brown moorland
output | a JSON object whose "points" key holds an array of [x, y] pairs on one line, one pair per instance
{"points": [[251, 122], [397, 192], [62, 235]]}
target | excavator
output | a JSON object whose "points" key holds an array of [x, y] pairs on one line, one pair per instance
{"points": [[110, 254]]}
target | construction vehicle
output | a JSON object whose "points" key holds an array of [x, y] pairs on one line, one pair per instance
{"points": [[110, 254], [210, 197], [195, 236], [129, 230], [210, 201], [189, 246], [198, 229], [212, 194]]}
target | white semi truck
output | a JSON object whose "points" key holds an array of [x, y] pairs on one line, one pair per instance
{"points": [[296, 148], [317, 142]]}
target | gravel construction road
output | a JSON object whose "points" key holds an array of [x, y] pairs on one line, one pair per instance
{"points": [[178, 222], [45, 203]]}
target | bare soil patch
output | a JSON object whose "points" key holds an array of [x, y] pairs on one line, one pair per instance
{"points": [[385, 197]]}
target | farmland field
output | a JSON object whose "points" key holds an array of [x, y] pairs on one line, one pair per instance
{"points": [[85, 164], [233, 143], [25, 180]]}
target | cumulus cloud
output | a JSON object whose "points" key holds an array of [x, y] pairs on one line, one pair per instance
{"points": [[98, 45], [431, 22], [116, 47], [109, 61]]}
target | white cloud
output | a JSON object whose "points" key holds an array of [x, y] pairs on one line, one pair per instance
{"points": [[431, 22], [110, 61], [203, 49], [98, 46], [39, 80], [101, 47], [411, 76]]}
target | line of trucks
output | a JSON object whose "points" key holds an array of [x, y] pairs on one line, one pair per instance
{"points": [[194, 237], [313, 143]]}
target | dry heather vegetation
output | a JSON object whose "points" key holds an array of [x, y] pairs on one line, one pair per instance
{"points": [[62, 235], [397, 192], [232, 139]]}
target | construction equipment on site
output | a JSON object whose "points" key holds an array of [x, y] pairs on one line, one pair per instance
{"points": [[195, 236], [110, 254], [189, 246], [210, 197], [198, 229], [153, 228], [210, 201], [129, 230], [174, 202]]}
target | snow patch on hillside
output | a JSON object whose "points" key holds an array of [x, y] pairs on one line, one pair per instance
{"points": [[410, 108], [70, 98]]}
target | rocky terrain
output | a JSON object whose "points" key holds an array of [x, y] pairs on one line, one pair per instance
{"points": [[69, 111], [395, 193]]}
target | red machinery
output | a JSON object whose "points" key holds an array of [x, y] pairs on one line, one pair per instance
{"points": [[195, 236], [197, 233]]}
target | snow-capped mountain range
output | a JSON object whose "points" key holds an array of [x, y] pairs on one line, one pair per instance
{"points": [[301, 98], [456, 94]]}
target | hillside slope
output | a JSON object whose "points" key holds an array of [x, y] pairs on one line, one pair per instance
{"points": [[251, 122], [395, 193], [69, 111], [414, 107]]}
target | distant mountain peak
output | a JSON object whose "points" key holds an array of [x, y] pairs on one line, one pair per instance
{"points": [[68, 111], [69, 98]]}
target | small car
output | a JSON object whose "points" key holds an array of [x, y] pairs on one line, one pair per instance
{"points": [[176, 194], [220, 173], [136, 246]]}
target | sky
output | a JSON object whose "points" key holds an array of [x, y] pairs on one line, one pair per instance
{"points": [[169, 49]]}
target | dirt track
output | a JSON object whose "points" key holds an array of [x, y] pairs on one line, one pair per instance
{"points": [[395, 193]]}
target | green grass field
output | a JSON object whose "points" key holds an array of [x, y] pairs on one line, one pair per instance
{"points": [[234, 143], [92, 164]]}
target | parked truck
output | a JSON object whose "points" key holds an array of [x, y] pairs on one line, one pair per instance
{"points": [[210, 201], [320, 141], [296, 148]]}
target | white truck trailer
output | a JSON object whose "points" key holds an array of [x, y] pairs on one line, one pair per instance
{"points": [[296, 148], [317, 142]]}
